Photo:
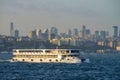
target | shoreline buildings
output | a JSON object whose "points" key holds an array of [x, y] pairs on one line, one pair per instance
{"points": [[72, 38]]}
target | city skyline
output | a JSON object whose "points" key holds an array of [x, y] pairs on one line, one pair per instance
{"points": [[63, 14]]}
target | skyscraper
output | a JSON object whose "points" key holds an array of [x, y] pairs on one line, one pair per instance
{"points": [[88, 33], [75, 32], [53, 33], [39, 34], [16, 33], [102, 35], [115, 31], [96, 35], [69, 33], [32, 35], [45, 34], [83, 32], [11, 29], [54, 30]]}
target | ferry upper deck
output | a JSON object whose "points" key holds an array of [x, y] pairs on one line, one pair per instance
{"points": [[46, 51]]}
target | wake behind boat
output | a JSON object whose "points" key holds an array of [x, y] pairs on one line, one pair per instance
{"points": [[47, 55]]}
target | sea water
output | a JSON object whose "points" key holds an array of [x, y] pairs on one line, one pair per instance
{"points": [[98, 67]]}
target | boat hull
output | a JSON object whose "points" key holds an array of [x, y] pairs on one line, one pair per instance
{"points": [[47, 60]]}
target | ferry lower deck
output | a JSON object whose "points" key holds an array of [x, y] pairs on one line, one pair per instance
{"points": [[45, 55], [43, 58]]}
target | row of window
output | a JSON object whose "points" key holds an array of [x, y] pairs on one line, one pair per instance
{"points": [[60, 52], [47, 51], [36, 56], [30, 52], [43, 56], [33, 60], [42, 52]]}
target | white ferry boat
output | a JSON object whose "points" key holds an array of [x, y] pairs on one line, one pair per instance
{"points": [[46, 55]]}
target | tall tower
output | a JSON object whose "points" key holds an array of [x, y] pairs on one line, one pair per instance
{"points": [[11, 29], [83, 32], [115, 31], [69, 33]]}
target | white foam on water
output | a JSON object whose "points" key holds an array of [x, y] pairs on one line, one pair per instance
{"points": [[87, 60]]}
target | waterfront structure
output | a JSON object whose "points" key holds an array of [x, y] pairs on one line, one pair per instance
{"points": [[118, 46], [11, 29], [55, 42], [72, 42], [23, 38], [46, 55], [64, 41]]}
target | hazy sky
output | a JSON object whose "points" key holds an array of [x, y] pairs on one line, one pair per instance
{"points": [[28, 15]]}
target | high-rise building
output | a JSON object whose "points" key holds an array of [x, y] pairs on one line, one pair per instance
{"points": [[83, 32], [69, 33], [11, 29], [103, 35], [53, 33], [54, 30], [45, 34], [88, 33], [32, 35], [119, 33], [39, 34], [75, 32], [96, 35], [115, 31], [16, 33]]}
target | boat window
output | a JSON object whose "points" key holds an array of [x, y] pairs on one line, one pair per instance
{"points": [[67, 51], [31, 59], [56, 60], [23, 60], [62, 51], [48, 51], [68, 59], [40, 59], [74, 51], [12, 59], [50, 60]]}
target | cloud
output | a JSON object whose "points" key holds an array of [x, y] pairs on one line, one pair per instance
{"points": [[52, 7]]}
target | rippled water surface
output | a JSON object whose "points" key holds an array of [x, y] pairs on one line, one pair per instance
{"points": [[101, 67]]}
